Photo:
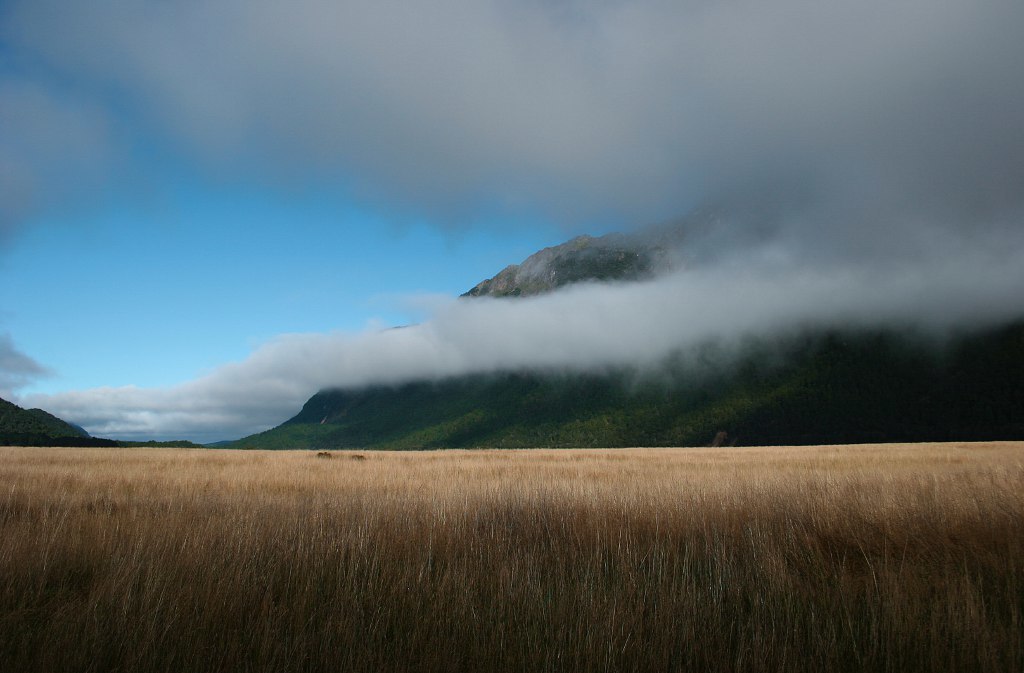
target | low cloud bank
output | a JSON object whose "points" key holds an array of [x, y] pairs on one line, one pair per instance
{"points": [[579, 328]]}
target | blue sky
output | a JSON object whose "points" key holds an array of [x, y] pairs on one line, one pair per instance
{"points": [[209, 209], [129, 294]]}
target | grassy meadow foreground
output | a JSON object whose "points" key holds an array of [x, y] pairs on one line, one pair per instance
{"points": [[846, 558]]}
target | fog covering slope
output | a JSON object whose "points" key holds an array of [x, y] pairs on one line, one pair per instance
{"points": [[831, 388]]}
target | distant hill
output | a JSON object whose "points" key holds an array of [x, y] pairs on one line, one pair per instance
{"points": [[154, 444], [35, 427], [15, 419], [822, 388]]}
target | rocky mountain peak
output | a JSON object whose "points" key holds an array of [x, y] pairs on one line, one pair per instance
{"points": [[613, 257]]}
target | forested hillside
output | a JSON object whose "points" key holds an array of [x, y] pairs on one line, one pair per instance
{"points": [[35, 427]]}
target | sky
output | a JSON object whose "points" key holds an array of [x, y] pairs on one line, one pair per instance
{"points": [[210, 210]]}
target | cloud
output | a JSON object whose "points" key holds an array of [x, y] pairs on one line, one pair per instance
{"points": [[17, 370], [55, 151], [579, 328], [632, 111]]}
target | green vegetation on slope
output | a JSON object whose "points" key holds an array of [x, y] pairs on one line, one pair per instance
{"points": [[825, 388], [14, 419], [35, 427]]}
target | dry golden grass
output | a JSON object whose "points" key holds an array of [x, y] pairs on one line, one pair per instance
{"points": [[846, 558]]}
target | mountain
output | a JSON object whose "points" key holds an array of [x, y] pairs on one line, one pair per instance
{"points": [[817, 388], [613, 257], [35, 427]]}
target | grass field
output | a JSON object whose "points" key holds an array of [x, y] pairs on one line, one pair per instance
{"points": [[847, 558]]}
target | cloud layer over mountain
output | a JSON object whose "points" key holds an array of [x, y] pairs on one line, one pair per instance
{"points": [[870, 154]]}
